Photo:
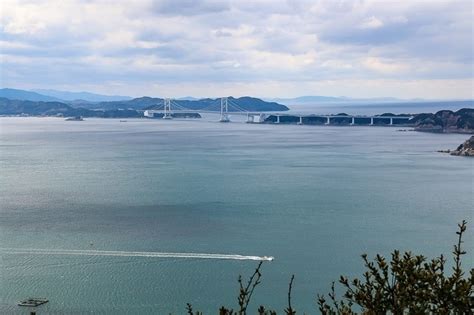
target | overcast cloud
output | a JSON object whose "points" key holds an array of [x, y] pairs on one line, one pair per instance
{"points": [[359, 48]]}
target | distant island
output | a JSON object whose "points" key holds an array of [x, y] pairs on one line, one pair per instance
{"points": [[318, 99], [332, 100]]}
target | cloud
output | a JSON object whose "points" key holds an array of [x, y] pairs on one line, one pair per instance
{"points": [[372, 22], [179, 44], [381, 66]]}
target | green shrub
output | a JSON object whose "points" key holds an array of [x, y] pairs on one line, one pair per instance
{"points": [[407, 284]]}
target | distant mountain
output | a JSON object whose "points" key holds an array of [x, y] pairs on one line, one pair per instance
{"points": [[23, 95], [58, 96], [146, 102], [84, 96], [332, 99], [308, 99], [188, 98]]}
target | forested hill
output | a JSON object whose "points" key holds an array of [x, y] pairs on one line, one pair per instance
{"points": [[129, 108], [246, 103], [445, 121], [31, 108]]}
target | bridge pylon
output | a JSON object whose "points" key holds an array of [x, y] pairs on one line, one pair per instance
{"points": [[224, 110], [167, 109]]}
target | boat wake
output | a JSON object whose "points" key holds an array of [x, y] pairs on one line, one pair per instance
{"points": [[34, 251]]}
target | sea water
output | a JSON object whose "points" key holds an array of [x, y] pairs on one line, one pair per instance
{"points": [[314, 197]]}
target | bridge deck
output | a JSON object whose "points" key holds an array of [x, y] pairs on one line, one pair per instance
{"points": [[281, 114]]}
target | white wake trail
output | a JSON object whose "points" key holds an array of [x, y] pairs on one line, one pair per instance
{"points": [[36, 251]]}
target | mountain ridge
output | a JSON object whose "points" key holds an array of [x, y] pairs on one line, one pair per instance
{"points": [[84, 96], [139, 103], [23, 95]]}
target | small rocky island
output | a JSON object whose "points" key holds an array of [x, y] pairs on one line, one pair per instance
{"points": [[465, 149]]}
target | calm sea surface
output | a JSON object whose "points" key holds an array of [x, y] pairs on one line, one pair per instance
{"points": [[313, 197]]}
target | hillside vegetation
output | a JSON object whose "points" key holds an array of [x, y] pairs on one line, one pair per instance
{"points": [[446, 121]]}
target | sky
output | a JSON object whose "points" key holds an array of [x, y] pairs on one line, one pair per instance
{"points": [[262, 48]]}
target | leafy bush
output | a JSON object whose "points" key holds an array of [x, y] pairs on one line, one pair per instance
{"points": [[407, 284]]}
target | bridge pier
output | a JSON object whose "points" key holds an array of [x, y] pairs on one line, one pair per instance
{"points": [[250, 118], [278, 119], [353, 121], [391, 121], [328, 121], [148, 114], [301, 120], [371, 121]]}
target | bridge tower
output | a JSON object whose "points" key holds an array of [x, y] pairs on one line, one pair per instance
{"points": [[167, 109], [224, 110]]}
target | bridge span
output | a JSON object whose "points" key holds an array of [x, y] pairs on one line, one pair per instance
{"points": [[225, 107]]}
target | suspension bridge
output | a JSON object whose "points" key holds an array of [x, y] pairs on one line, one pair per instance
{"points": [[223, 106], [226, 106]]}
